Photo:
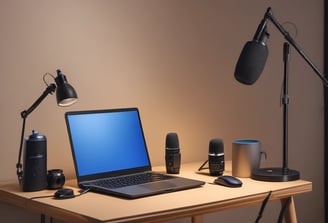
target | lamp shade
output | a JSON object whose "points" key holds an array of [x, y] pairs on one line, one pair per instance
{"points": [[65, 93]]}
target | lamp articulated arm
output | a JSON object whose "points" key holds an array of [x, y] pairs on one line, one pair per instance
{"points": [[49, 90]]}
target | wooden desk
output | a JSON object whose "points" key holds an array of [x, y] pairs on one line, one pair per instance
{"points": [[93, 207]]}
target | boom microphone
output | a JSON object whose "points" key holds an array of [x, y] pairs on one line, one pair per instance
{"points": [[172, 153], [253, 56]]}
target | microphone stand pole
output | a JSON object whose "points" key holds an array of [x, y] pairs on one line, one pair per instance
{"points": [[285, 102], [283, 174]]}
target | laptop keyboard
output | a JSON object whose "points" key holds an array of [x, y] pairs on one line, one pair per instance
{"points": [[131, 180]]}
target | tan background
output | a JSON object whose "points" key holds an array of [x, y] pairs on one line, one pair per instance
{"points": [[175, 61]]}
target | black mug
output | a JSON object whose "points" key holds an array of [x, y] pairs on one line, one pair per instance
{"points": [[55, 178]]}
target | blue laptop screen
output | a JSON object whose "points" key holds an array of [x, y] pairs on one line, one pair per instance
{"points": [[107, 141]]}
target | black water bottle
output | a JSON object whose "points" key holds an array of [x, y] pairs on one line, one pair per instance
{"points": [[35, 163]]}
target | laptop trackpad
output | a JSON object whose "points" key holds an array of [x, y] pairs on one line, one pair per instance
{"points": [[160, 186]]}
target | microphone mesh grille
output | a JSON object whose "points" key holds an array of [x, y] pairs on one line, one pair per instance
{"points": [[216, 146], [172, 140]]}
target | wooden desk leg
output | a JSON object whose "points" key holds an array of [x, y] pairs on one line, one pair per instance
{"points": [[290, 214], [197, 219], [43, 218]]}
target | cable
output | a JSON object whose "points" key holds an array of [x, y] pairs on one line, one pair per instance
{"points": [[283, 210], [265, 201], [32, 198], [81, 192], [44, 78], [202, 166]]}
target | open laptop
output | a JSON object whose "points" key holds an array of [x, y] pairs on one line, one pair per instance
{"points": [[108, 145]]}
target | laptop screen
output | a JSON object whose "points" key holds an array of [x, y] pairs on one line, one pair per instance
{"points": [[106, 140]]}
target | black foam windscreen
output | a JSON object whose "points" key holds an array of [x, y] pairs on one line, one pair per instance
{"points": [[172, 153], [251, 62], [216, 146], [172, 140]]}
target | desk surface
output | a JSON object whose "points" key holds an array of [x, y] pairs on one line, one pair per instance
{"points": [[93, 207]]}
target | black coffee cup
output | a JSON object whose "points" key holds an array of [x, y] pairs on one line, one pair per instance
{"points": [[55, 178]]}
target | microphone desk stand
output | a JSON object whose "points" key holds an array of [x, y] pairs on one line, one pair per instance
{"points": [[282, 174]]}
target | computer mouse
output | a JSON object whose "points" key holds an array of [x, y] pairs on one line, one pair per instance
{"points": [[228, 181], [64, 193]]}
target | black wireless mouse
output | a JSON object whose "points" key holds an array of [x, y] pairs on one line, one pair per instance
{"points": [[228, 181], [64, 193]]}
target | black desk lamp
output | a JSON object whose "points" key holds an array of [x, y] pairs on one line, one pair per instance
{"points": [[248, 69], [66, 96]]}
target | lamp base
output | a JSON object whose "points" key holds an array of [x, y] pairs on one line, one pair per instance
{"points": [[275, 174]]}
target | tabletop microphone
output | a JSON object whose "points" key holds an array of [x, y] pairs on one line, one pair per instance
{"points": [[216, 157], [172, 153]]}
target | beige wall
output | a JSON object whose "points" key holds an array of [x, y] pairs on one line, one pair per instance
{"points": [[175, 61]]}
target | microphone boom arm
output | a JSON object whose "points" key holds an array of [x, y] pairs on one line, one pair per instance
{"points": [[269, 15]]}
